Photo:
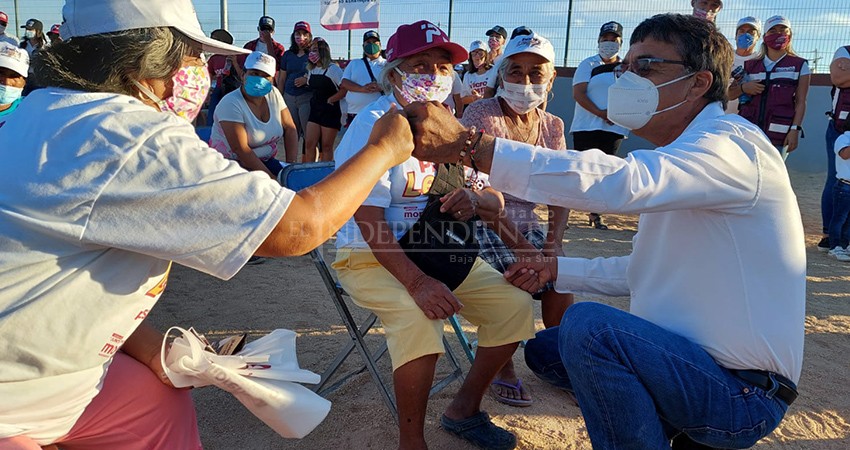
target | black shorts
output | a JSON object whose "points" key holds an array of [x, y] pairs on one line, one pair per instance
{"points": [[326, 115]]}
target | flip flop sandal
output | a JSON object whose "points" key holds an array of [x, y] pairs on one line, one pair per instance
{"points": [[480, 431], [507, 400]]}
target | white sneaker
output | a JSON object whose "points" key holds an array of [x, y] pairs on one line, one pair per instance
{"points": [[839, 254]]}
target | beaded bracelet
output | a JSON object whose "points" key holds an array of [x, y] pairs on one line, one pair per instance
{"points": [[474, 148], [467, 143]]}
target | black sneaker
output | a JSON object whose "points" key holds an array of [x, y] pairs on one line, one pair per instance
{"points": [[823, 245]]}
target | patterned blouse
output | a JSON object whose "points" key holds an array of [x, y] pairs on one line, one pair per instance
{"points": [[487, 114]]}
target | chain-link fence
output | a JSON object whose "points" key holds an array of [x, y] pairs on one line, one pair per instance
{"points": [[819, 27]]}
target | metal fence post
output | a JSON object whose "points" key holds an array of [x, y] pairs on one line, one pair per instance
{"points": [[223, 18], [569, 24], [17, 25], [451, 10]]}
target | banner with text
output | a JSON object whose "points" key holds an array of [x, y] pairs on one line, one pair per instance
{"points": [[349, 14]]}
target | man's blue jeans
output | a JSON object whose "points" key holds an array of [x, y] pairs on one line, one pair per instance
{"points": [[639, 385]]}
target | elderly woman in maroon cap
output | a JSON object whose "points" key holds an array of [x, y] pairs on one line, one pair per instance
{"points": [[383, 278]]}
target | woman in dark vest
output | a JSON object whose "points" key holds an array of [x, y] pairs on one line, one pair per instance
{"points": [[778, 101], [325, 120]]}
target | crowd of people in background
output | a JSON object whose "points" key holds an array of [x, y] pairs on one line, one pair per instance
{"points": [[298, 97]]}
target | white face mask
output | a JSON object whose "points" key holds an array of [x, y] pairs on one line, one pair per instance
{"points": [[523, 98], [2, 29], [609, 49], [633, 100], [29, 34]]}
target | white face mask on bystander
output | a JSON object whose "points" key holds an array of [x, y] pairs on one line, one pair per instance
{"points": [[523, 98]]}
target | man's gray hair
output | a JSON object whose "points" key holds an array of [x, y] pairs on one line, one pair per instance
{"points": [[384, 76], [109, 62]]}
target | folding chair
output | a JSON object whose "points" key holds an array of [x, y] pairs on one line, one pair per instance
{"points": [[300, 176]]}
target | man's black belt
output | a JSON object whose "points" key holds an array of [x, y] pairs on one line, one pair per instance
{"points": [[786, 390]]}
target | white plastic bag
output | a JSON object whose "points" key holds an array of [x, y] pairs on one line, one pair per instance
{"points": [[261, 377]]}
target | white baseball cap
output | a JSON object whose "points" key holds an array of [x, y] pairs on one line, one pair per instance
{"points": [[14, 58], [774, 21], [531, 43], [90, 17], [750, 20], [477, 45], [262, 62]]}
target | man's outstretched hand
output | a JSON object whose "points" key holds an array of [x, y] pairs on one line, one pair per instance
{"points": [[532, 271], [437, 135]]}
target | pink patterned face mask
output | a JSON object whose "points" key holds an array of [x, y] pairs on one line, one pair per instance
{"points": [[191, 86], [416, 87]]}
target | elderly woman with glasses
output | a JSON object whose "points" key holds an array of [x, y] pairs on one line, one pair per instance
{"points": [[111, 186]]}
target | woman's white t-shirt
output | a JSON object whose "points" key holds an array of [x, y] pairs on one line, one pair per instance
{"points": [[263, 137], [401, 191], [476, 82]]}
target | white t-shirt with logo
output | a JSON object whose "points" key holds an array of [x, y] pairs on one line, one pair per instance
{"points": [[476, 82], [107, 192], [400, 191], [597, 92], [263, 137], [356, 72]]}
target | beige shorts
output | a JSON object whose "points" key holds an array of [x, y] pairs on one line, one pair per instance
{"points": [[502, 312]]}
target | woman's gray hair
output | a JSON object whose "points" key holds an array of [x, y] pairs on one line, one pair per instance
{"points": [[384, 77], [109, 62], [503, 68]]}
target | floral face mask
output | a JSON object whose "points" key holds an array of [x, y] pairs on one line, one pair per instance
{"points": [[191, 86], [422, 87]]}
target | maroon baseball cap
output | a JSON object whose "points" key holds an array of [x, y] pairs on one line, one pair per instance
{"points": [[4, 18], [420, 36], [302, 26], [55, 29]]}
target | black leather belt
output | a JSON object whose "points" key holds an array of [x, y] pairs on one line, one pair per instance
{"points": [[786, 391]]}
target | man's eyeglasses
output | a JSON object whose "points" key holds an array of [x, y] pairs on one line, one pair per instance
{"points": [[643, 66]]}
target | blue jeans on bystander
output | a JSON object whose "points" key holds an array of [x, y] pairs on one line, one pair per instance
{"points": [[839, 225], [639, 385], [826, 196]]}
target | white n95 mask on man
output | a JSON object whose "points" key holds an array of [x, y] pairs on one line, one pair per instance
{"points": [[633, 100]]}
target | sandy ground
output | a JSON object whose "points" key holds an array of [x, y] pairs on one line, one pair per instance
{"points": [[288, 293]]}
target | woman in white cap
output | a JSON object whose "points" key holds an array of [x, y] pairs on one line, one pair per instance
{"points": [[477, 71], [250, 122], [380, 276], [111, 186], [527, 73], [778, 97], [14, 65]]}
